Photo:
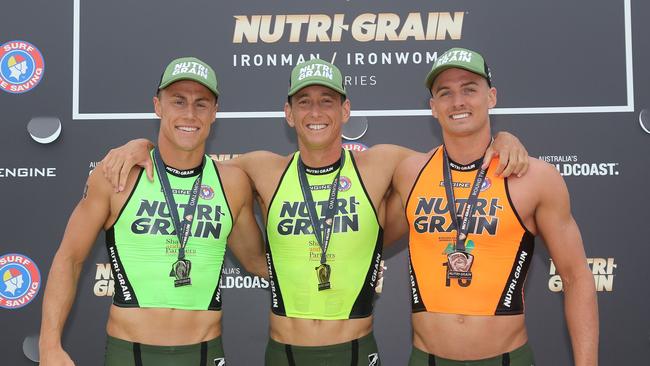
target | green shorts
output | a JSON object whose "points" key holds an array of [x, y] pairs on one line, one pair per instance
{"points": [[359, 352], [522, 356], [124, 353]]}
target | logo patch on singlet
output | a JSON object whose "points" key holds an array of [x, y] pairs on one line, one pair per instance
{"points": [[344, 183], [20, 281], [221, 361], [486, 184], [206, 192], [21, 67]]}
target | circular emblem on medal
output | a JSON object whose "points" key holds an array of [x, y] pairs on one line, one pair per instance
{"points": [[21, 67], [486, 184], [344, 183], [21, 280], [206, 192]]}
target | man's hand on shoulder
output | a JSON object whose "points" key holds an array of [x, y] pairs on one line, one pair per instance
{"points": [[513, 157], [117, 164]]}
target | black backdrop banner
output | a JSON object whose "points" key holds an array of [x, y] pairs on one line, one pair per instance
{"points": [[572, 85]]}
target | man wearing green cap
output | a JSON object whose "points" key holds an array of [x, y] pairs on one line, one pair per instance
{"points": [[165, 238], [323, 280], [469, 256]]}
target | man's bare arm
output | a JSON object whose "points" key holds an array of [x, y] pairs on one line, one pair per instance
{"points": [[396, 225], [245, 240], [562, 237], [83, 226]]}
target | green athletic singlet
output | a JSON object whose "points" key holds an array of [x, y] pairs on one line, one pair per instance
{"points": [[293, 252], [142, 244]]}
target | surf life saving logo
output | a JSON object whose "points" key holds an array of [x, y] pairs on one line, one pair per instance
{"points": [[487, 183], [344, 183], [206, 192], [21, 67], [20, 280]]}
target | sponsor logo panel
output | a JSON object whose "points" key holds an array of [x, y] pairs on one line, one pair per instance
{"points": [[575, 166], [237, 278], [27, 172], [21, 67], [21, 280], [602, 269], [231, 277], [263, 40]]}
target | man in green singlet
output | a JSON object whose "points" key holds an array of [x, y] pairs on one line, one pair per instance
{"points": [[322, 280], [165, 238]]}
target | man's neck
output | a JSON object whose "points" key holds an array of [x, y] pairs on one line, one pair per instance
{"points": [[317, 158], [467, 149], [180, 159]]}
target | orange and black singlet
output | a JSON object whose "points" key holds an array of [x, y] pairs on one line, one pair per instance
{"points": [[501, 245]]}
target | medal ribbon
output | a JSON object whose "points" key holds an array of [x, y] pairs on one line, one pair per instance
{"points": [[182, 227], [322, 236], [462, 228]]}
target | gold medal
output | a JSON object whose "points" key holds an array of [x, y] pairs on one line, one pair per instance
{"points": [[323, 274], [181, 270]]}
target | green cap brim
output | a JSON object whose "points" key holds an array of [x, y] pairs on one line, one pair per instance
{"points": [[316, 72], [189, 68], [296, 88]]}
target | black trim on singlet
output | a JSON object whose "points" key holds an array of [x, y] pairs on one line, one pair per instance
{"points": [[215, 300], [415, 289], [277, 189], [364, 303], [356, 170], [276, 293], [415, 182], [135, 186], [517, 293], [223, 191], [118, 294], [513, 208]]}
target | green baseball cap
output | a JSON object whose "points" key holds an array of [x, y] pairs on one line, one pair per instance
{"points": [[189, 68], [461, 58], [316, 72]]}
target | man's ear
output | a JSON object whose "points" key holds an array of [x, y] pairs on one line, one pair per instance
{"points": [[432, 105], [288, 115], [157, 107]]}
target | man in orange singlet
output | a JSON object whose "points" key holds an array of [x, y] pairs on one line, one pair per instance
{"points": [[471, 235]]}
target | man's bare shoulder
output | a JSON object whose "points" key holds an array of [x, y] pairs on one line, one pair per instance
{"points": [[408, 170], [229, 171], [259, 158], [540, 171], [416, 161], [258, 162], [540, 183]]}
